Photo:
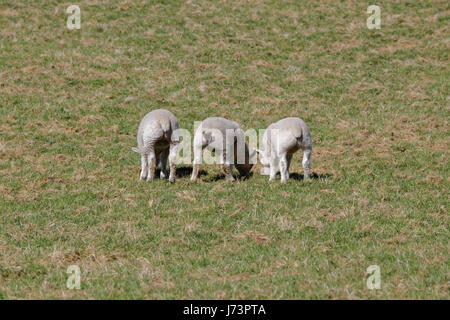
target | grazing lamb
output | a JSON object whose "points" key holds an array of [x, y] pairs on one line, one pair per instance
{"points": [[280, 141], [158, 139], [212, 134]]}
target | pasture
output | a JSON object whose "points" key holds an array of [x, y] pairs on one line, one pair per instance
{"points": [[376, 103]]}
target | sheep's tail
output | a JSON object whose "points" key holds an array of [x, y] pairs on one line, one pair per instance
{"points": [[161, 128], [298, 135], [304, 138], [207, 137]]}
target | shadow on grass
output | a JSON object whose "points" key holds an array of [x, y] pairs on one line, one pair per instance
{"points": [[182, 172], [297, 176], [187, 171], [221, 176]]}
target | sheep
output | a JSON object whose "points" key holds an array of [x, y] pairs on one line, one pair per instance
{"points": [[280, 141], [158, 139], [227, 139]]}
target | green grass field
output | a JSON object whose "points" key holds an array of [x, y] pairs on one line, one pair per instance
{"points": [[376, 103]]}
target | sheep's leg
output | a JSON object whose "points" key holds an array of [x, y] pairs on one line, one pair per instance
{"points": [[172, 161], [283, 168], [197, 161], [144, 166], [228, 170], [164, 155], [289, 159], [151, 165], [227, 167], [273, 167], [158, 158], [195, 169], [306, 163]]}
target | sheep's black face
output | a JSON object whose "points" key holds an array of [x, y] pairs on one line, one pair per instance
{"points": [[244, 169]]}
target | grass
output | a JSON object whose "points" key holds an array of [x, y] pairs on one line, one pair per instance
{"points": [[376, 103]]}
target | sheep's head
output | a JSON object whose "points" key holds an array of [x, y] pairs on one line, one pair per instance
{"points": [[245, 168], [265, 162]]}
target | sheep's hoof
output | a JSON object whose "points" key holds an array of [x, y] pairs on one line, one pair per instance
{"points": [[284, 181], [149, 179], [172, 180]]}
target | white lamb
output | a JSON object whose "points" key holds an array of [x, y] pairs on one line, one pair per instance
{"points": [[227, 139], [158, 139], [280, 141]]}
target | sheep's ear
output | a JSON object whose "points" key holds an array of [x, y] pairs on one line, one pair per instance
{"points": [[136, 150], [259, 151]]}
